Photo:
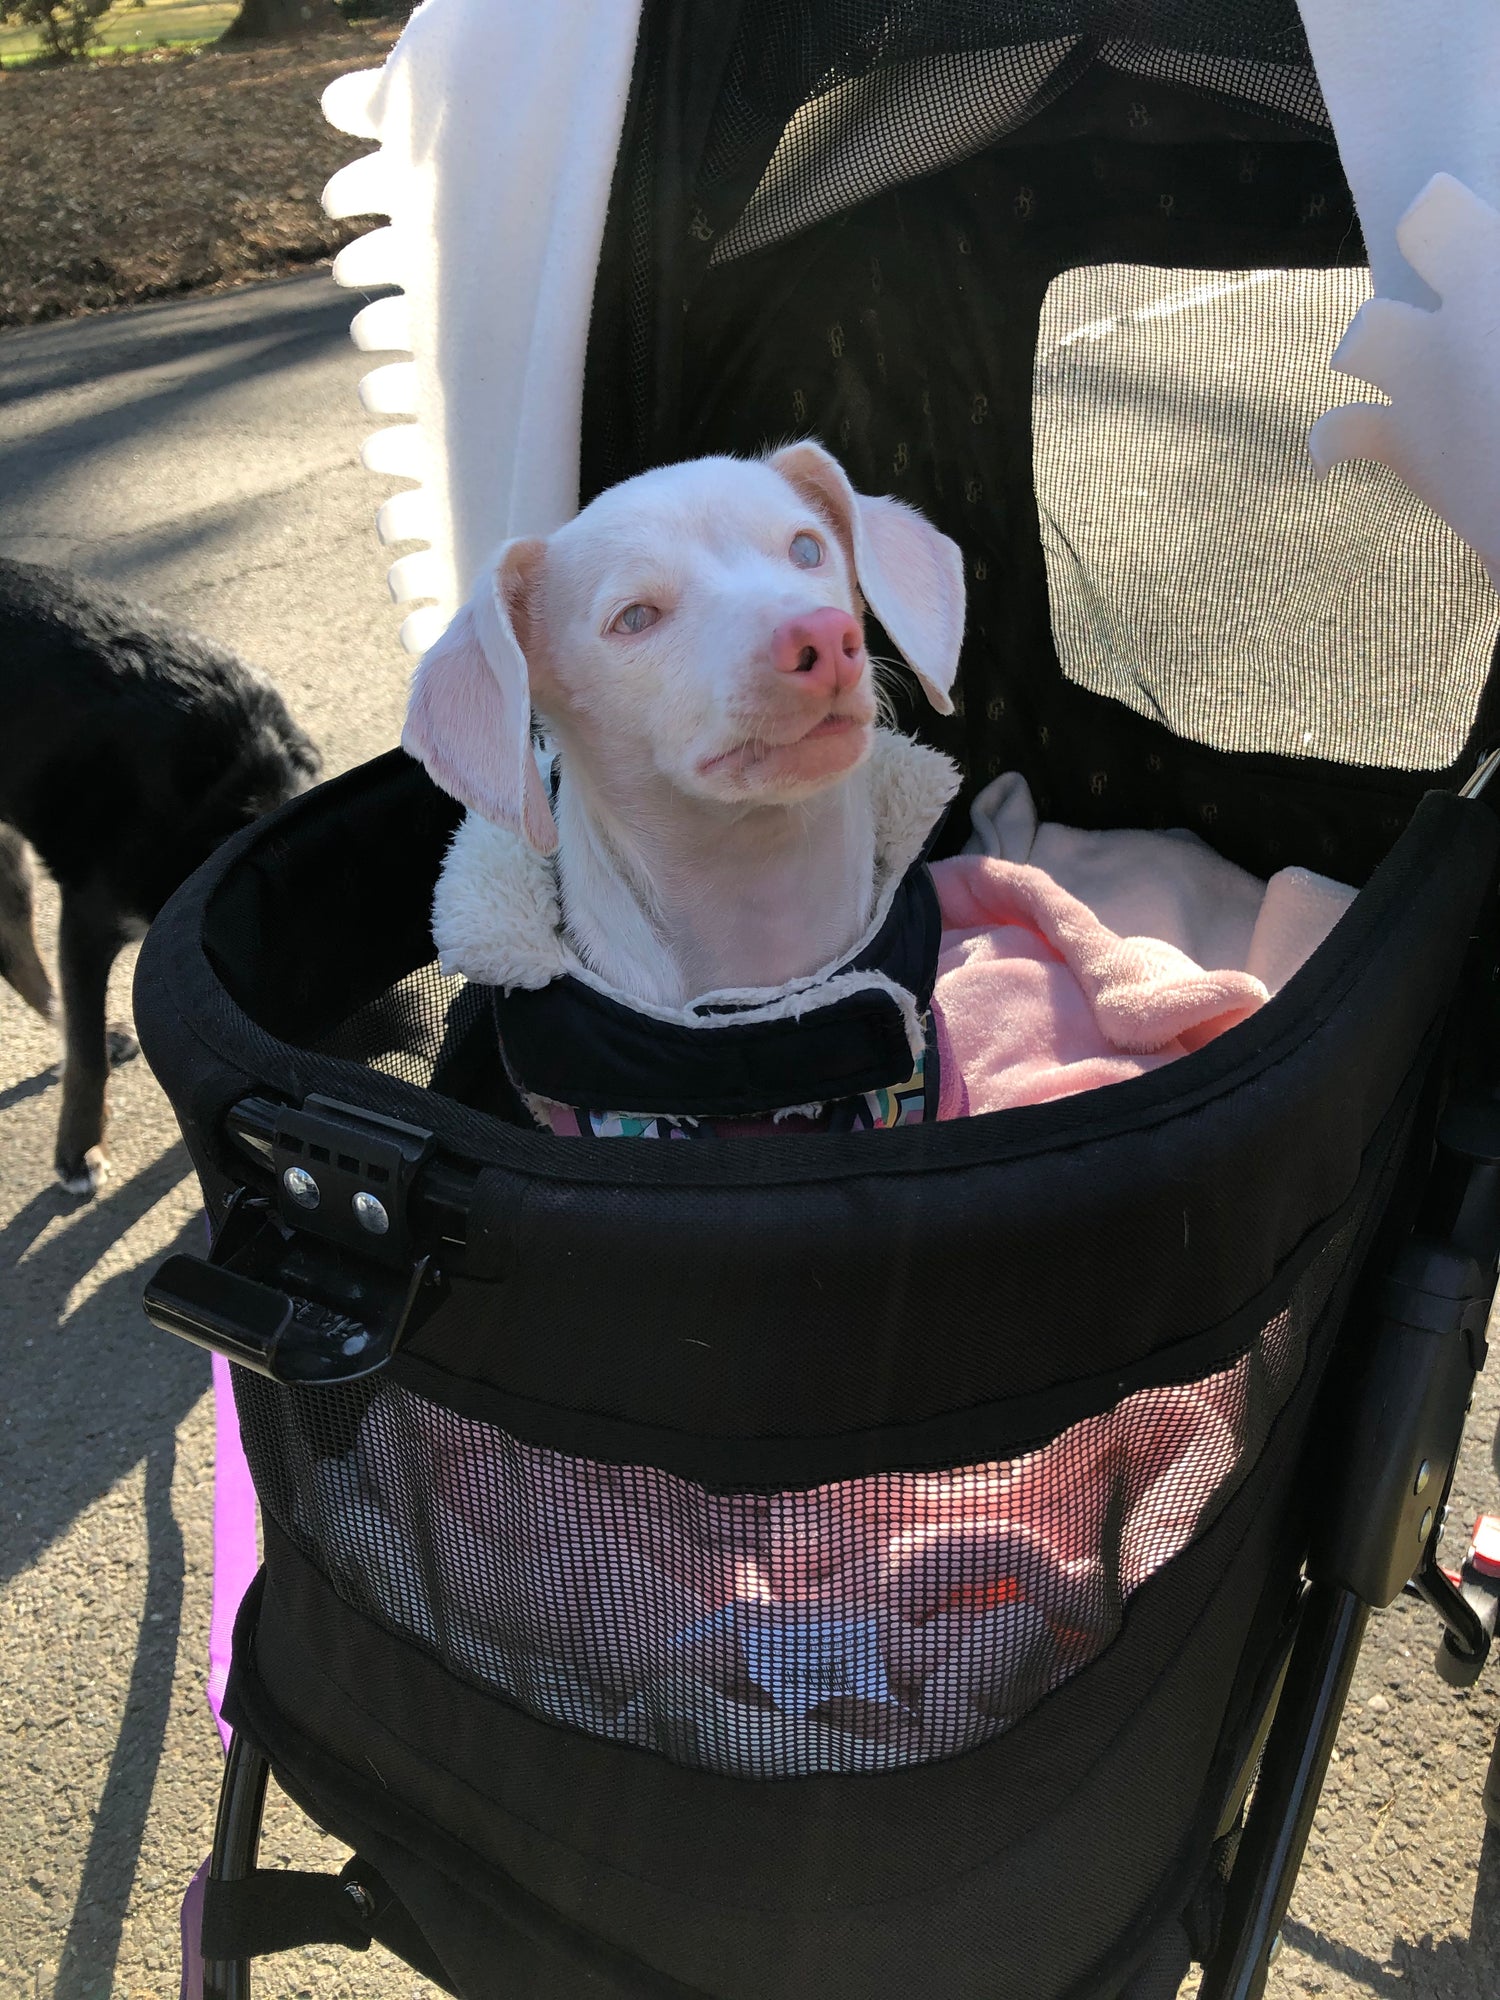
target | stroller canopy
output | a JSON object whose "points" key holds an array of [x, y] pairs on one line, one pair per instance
{"points": [[500, 127]]}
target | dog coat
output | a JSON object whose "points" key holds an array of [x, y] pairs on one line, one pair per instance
{"points": [[851, 1047]]}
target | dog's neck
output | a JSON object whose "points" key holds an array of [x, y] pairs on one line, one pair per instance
{"points": [[668, 896]]}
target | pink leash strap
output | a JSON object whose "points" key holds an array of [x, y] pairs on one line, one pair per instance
{"points": [[236, 1552], [236, 1556]]}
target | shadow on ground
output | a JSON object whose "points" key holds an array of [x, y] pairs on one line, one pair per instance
{"points": [[1449, 1965], [126, 1390], [91, 1948], [128, 1387], [200, 355]]}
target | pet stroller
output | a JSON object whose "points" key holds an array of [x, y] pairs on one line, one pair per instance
{"points": [[1153, 1391]]}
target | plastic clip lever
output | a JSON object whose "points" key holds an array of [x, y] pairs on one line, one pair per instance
{"points": [[319, 1282]]}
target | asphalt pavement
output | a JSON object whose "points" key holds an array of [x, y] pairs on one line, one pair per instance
{"points": [[204, 455]]}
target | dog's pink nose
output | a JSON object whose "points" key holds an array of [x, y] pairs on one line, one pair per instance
{"points": [[826, 649]]}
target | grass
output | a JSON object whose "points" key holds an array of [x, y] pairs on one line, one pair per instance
{"points": [[131, 29]]}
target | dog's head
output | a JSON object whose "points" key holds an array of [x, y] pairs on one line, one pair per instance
{"points": [[701, 623]]}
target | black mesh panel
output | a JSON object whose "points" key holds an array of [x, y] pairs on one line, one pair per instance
{"points": [[892, 125], [412, 1029], [907, 91], [861, 1625], [859, 94]]}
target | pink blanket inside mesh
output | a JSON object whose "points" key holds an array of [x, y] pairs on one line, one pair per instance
{"points": [[859, 1625]]}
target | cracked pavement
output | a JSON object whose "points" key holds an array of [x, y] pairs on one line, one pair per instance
{"points": [[203, 455]]}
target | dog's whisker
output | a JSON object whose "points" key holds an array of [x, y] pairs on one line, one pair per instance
{"points": [[883, 674]]}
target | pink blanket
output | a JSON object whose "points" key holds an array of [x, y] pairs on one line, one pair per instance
{"points": [[860, 1625], [1072, 959], [1037, 999]]}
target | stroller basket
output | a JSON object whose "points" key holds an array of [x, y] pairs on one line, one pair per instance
{"points": [[873, 1565], [709, 1491]]}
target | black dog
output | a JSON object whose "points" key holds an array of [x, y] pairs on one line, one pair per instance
{"points": [[128, 750]]}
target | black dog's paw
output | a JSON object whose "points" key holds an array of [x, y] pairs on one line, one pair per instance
{"points": [[122, 1046], [86, 1176]]}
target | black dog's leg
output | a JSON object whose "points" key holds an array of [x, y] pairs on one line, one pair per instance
{"points": [[20, 963], [89, 940]]}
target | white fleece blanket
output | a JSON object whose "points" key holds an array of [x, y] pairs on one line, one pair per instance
{"points": [[1170, 886]]}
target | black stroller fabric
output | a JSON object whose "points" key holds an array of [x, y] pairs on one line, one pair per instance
{"points": [[1001, 1287], [853, 1565]]}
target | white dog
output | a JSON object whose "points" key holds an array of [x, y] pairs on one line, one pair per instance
{"points": [[694, 643]]}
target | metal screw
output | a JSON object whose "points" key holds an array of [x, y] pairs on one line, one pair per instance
{"points": [[370, 1214], [301, 1186], [1424, 1473], [1426, 1527]]}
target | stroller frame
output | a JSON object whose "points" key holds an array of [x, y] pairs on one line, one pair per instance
{"points": [[1273, 1802], [1399, 1390]]}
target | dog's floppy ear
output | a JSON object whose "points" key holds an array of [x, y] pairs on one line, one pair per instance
{"points": [[469, 717], [911, 576]]}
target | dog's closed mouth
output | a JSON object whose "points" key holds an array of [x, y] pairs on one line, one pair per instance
{"points": [[756, 750]]}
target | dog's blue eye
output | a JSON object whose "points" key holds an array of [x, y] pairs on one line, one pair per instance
{"points": [[806, 551], [636, 618]]}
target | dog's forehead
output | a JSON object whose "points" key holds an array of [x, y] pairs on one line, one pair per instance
{"points": [[711, 502]]}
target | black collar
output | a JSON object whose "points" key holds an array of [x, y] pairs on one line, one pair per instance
{"points": [[572, 1044]]}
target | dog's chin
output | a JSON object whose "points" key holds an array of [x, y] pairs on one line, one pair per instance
{"points": [[781, 773]]}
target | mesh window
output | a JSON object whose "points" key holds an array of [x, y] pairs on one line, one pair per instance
{"points": [[1273, 80], [857, 1626], [1200, 570], [888, 126], [879, 127], [412, 1029], [863, 95]]}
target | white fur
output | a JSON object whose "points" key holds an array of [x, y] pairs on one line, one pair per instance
{"points": [[497, 918], [717, 811]]}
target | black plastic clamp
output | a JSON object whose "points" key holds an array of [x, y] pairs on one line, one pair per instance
{"points": [[346, 1174], [320, 1281]]}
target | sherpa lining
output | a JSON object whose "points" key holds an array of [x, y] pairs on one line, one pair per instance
{"points": [[497, 916]]}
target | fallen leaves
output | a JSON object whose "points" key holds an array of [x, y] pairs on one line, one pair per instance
{"points": [[130, 180]]}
